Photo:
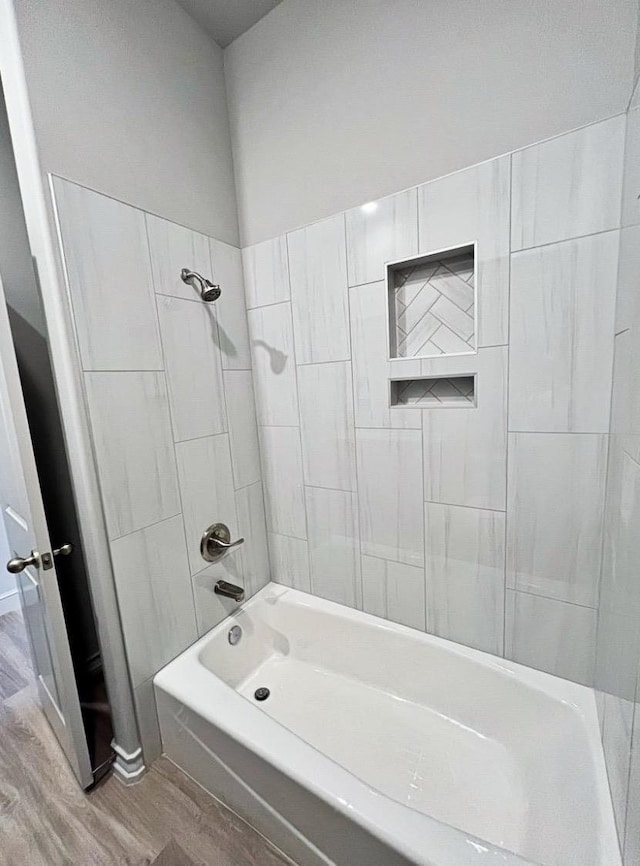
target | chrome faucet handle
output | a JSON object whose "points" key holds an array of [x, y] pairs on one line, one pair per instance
{"points": [[216, 542]]}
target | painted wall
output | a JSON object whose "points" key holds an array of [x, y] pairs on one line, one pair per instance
{"points": [[618, 648], [170, 399], [482, 525], [333, 104], [128, 97]]}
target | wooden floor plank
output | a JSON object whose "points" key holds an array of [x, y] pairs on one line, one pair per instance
{"points": [[47, 820]]}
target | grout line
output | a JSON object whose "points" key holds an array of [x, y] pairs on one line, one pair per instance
{"points": [[569, 240], [552, 598], [470, 507], [146, 526], [507, 410], [264, 306]]}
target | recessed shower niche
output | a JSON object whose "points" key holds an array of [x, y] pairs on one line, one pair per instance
{"points": [[432, 304]]}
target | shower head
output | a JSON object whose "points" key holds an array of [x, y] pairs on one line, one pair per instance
{"points": [[205, 288]]}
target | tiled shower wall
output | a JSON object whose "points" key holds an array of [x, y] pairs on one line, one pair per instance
{"points": [[483, 525], [618, 645], [170, 398]]}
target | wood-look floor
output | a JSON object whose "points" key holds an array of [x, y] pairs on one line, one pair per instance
{"points": [[47, 820]]}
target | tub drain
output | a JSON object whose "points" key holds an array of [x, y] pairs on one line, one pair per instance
{"points": [[261, 694]]}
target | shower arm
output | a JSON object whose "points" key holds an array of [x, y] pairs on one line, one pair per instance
{"points": [[208, 291]]}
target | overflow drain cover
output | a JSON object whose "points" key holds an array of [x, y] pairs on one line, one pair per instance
{"points": [[261, 694]]}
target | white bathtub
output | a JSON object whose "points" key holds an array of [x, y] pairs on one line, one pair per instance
{"points": [[383, 746]]}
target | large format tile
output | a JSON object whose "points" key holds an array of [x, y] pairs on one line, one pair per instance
{"points": [[289, 561], [378, 232], [254, 553], [465, 449], [390, 494], [473, 205], [154, 596], [465, 568], [146, 713], [318, 270], [282, 477], [274, 366], [628, 294], [326, 418], [632, 829], [568, 186], [174, 247], [243, 430], [394, 591], [371, 366], [334, 549], [226, 265], [134, 449], [561, 345], [212, 608], [107, 261], [620, 587], [194, 372], [266, 272], [206, 486], [550, 635], [555, 510], [616, 744], [631, 181]]}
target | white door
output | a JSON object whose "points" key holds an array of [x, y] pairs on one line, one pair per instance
{"points": [[28, 536]]}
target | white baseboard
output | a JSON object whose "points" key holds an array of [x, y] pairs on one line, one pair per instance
{"points": [[9, 602]]}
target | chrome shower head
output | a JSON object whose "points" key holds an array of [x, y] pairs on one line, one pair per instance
{"points": [[206, 289]]}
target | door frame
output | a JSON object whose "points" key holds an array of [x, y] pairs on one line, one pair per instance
{"points": [[63, 347]]}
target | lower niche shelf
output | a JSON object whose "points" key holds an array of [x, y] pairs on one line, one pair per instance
{"points": [[438, 391]]}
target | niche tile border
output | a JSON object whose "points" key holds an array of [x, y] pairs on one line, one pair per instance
{"points": [[432, 304]]}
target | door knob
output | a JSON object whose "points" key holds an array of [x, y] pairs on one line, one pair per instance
{"points": [[65, 550], [15, 566]]}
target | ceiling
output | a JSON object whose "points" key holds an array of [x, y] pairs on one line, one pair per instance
{"points": [[225, 20]]}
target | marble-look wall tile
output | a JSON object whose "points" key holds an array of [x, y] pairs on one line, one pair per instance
{"points": [[243, 430], [620, 590], [550, 635], [282, 477], [394, 591], [134, 448], [631, 181], [465, 575], [274, 367], [568, 186], [628, 295], [226, 267], [474, 205], [326, 418], [144, 700], [371, 366], [391, 494], [212, 608], [154, 596], [378, 232], [561, 345], [616, 742], [632, 829], [334, 549], [266, 273], [206, 486], [290, 561], [319, 294], [107, 261], [555, 511], [193, 367], [174, 247], [253, 554], [465, 450]]}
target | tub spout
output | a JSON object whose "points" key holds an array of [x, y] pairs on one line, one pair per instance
{"points": [[230, 590]]}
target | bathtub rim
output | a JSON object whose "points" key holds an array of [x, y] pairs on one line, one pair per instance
{"points": [[191, 683]]}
